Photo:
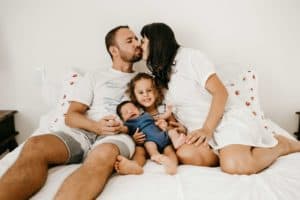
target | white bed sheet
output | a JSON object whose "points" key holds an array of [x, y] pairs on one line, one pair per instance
{"points": [[281, 181]]}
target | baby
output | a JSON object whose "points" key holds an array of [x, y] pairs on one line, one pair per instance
{"points": [[157, 141]]}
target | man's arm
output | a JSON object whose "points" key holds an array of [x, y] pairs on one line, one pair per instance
{"points": [[76, 118]]}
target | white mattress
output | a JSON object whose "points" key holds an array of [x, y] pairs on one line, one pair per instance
{"points": [[280, 181]]}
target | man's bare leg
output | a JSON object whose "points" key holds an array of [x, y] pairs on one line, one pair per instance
{"points": [[29, 173], [241, 159], [197, 155], [125, 166], [88, 181]]}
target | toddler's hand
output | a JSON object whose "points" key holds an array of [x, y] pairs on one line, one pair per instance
{"points": [[162, 124]]}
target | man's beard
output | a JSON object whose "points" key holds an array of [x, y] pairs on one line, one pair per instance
{"points": [[132, 59]]}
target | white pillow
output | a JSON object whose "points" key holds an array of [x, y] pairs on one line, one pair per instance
{"points": [[69, 82]]}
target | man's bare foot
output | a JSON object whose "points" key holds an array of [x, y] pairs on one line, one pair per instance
{"points": [[124, 166], [169, 165], [288, 145], [180, 140]]}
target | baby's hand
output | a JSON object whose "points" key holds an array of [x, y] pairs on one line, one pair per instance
{"points": [[139, 137]]}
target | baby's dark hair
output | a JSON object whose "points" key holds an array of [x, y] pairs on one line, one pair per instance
{"points": [[140, 76], [119, 107]]}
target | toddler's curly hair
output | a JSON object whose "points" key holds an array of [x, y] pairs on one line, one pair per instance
{"points": [[131, 85]]}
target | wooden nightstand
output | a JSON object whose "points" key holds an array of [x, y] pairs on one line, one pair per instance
{"points": [[7, 130], [298, 133]]}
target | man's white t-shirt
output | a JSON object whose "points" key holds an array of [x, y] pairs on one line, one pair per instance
{"points": [[102, 91], [187, 91]]}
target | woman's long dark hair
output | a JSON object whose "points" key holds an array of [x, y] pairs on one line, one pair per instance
{"points": [[162, 51]]}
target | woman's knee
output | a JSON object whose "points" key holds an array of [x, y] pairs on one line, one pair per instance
{"points": [[238, 166], [190, 155]]}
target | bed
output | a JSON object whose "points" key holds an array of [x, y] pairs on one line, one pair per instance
{"points": [[280, 181]]}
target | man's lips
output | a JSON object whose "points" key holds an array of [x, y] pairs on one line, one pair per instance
{"points": [[139, 50]]}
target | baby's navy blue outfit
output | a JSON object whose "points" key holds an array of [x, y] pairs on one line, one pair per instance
{"points": [[146, 124]]}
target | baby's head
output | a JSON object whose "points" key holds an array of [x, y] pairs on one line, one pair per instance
{"points": [[127, 110], [143, 91]]}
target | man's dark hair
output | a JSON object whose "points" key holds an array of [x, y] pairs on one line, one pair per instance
{"points": [[110, 37], [162, 51], [119, 107]]}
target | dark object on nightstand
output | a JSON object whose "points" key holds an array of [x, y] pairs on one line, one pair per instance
{"points": [[298, 133], [7, 130]]}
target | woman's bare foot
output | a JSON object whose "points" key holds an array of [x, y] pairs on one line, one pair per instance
{"points": [[169, 165], [124, 166], [288, 145]]}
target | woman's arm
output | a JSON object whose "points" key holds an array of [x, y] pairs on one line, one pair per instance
{"points": [[219, 97]]}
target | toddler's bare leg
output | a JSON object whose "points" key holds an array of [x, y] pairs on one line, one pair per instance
{"points": [[177, 139]]}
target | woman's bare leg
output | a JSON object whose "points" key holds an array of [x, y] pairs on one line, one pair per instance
{"points": [[197, 155], [242, 159]]}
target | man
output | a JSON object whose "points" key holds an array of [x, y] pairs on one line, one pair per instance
{"points": [[91, 135]]}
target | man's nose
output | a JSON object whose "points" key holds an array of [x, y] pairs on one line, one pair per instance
{"points": [[137, 43]]}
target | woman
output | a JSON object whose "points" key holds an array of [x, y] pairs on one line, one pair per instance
{"points": [[199, 97]]}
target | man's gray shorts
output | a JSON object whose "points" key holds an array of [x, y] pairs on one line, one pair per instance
{"points": [[79, 143]]}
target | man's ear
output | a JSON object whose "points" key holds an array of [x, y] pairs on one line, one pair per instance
{"points": [[114, 51]]}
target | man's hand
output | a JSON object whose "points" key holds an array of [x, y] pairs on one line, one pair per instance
{"points": [[108, 125], [199, 136], [139, 137]]}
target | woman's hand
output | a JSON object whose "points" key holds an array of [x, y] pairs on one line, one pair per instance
{"points": [[139, 137], [199, 136]]}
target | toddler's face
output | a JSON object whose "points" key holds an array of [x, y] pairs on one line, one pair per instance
{"points": [[145, 93], [129, 111]]}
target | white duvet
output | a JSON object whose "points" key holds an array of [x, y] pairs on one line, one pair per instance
{"points": [[281, 181]]}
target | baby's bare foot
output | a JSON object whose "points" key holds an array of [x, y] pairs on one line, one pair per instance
{"points": [[156, 158], [124, 166], [169, 165]]}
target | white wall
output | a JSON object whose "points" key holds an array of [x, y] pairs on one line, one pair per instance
{"points": [[59, 34]]}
